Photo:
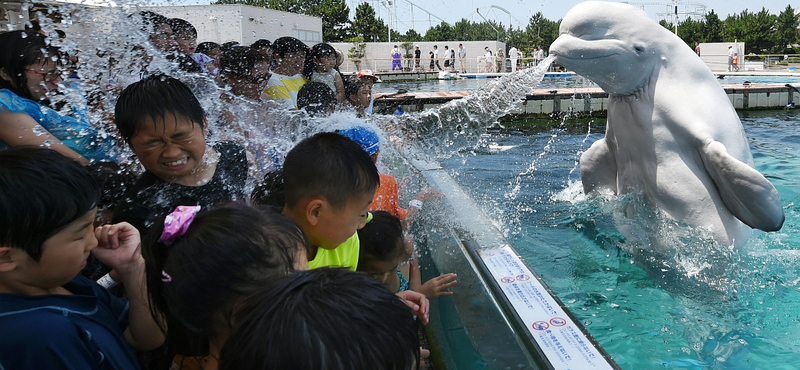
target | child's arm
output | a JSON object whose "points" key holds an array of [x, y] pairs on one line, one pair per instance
{"points": [[18, 129], [337, 81], [118, 247], [436, 287]]}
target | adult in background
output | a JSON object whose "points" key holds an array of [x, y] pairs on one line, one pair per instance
{"points": [[417, 58], [488, 66], [514, 57], [396, 62], [462, 58]]}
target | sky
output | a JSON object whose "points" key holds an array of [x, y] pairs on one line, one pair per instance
{"points": [[426, 13], [521, 10]]}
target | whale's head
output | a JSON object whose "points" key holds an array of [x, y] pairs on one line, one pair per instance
{"points": [[615, 45]]}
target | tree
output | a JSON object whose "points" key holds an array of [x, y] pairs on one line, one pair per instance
{"points": [[366, 24], [786, 25], [441, 32], [712, 28], [691, 31]]}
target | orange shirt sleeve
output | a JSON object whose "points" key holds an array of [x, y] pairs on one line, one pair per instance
{"points": [[387, 199]]}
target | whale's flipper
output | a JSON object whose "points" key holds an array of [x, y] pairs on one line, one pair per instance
{"points": [[746, 193], [598, 168]]}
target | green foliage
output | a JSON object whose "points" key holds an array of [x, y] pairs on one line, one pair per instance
{"points": [[787, 33], [367, 25], [359, 48]]}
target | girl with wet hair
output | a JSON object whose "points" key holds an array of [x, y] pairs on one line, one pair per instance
{"points": [[321, 67], [201, 264], [29, 77]]}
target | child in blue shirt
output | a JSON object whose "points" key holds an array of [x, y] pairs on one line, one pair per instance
{"points": [[51, 316]]}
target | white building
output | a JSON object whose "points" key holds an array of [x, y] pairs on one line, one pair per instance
{"points": [[244, 23]]}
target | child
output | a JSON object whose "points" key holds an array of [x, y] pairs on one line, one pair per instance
{"points": [[287, 77], [321, 67], [166, 128], [387, 199], [359, 95], [323, 319], [29, 76], [185, 36], [383, 249], [329, 182], [201, 265], [52, 317], [317, 99], [213, 51]]}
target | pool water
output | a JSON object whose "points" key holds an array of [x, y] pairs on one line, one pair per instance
{"points": [[697, 306]]}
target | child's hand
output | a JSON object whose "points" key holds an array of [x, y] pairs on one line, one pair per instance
{"points": [[436, 287], [417, 302], [428, 194], [118, 247]]}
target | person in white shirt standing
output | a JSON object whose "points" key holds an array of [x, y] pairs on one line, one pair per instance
{"points": [[513, 55], [462, 58]]}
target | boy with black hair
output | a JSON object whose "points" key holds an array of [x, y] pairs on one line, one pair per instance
{"points": [[185, 36], [166, 128], [329, 182], [364, 326], [289, 55], [51, 316]]}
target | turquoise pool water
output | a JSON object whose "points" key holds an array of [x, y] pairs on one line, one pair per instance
{"points": [[697, 306]]}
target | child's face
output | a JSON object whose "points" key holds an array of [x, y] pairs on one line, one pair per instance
{"points": [[362, 97], [63, 254], [293, 62], [187, 42], [42, 78], [172, 147], [325, 63], [335, 226], [162, 38], [380, 270]]}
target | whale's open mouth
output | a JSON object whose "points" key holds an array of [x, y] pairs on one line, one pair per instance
{"points": [[561, 56]]}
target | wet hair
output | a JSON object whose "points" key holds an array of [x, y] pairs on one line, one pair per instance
{"points": [[154, 97], [179, 25], [229, 44], [41, 192], [240, 61], [29, 48], [352, 87], [288, 44], [323, 319], [206, 47], [328, 165], [381, 239], [262, 43], [315, 98], [226, 254], [320, 50], [151, 20], [270, 192]]}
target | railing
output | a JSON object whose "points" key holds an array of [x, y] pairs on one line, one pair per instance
{"points": [[470, 65], [755, 62]]}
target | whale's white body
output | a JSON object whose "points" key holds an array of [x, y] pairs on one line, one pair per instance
{"points": [[672, 133]]}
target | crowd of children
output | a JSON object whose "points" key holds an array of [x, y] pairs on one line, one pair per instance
{"points": [[173, 261]]}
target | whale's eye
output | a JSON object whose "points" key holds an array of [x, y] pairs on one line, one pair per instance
{"points": [[639, 49]]}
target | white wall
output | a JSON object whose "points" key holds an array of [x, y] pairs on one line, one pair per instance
{"points": [[715, 54], [243, 23]]}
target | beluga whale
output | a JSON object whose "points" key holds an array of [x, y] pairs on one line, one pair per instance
{"points": [[672, 134]]}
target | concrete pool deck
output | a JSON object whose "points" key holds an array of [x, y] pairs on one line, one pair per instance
{"points": [[592, 101]]}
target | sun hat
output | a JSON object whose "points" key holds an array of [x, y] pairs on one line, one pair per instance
{"points": [[365, 137], [367, 73]]}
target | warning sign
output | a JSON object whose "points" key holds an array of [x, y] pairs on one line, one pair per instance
{"points": [[565, 346]]}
